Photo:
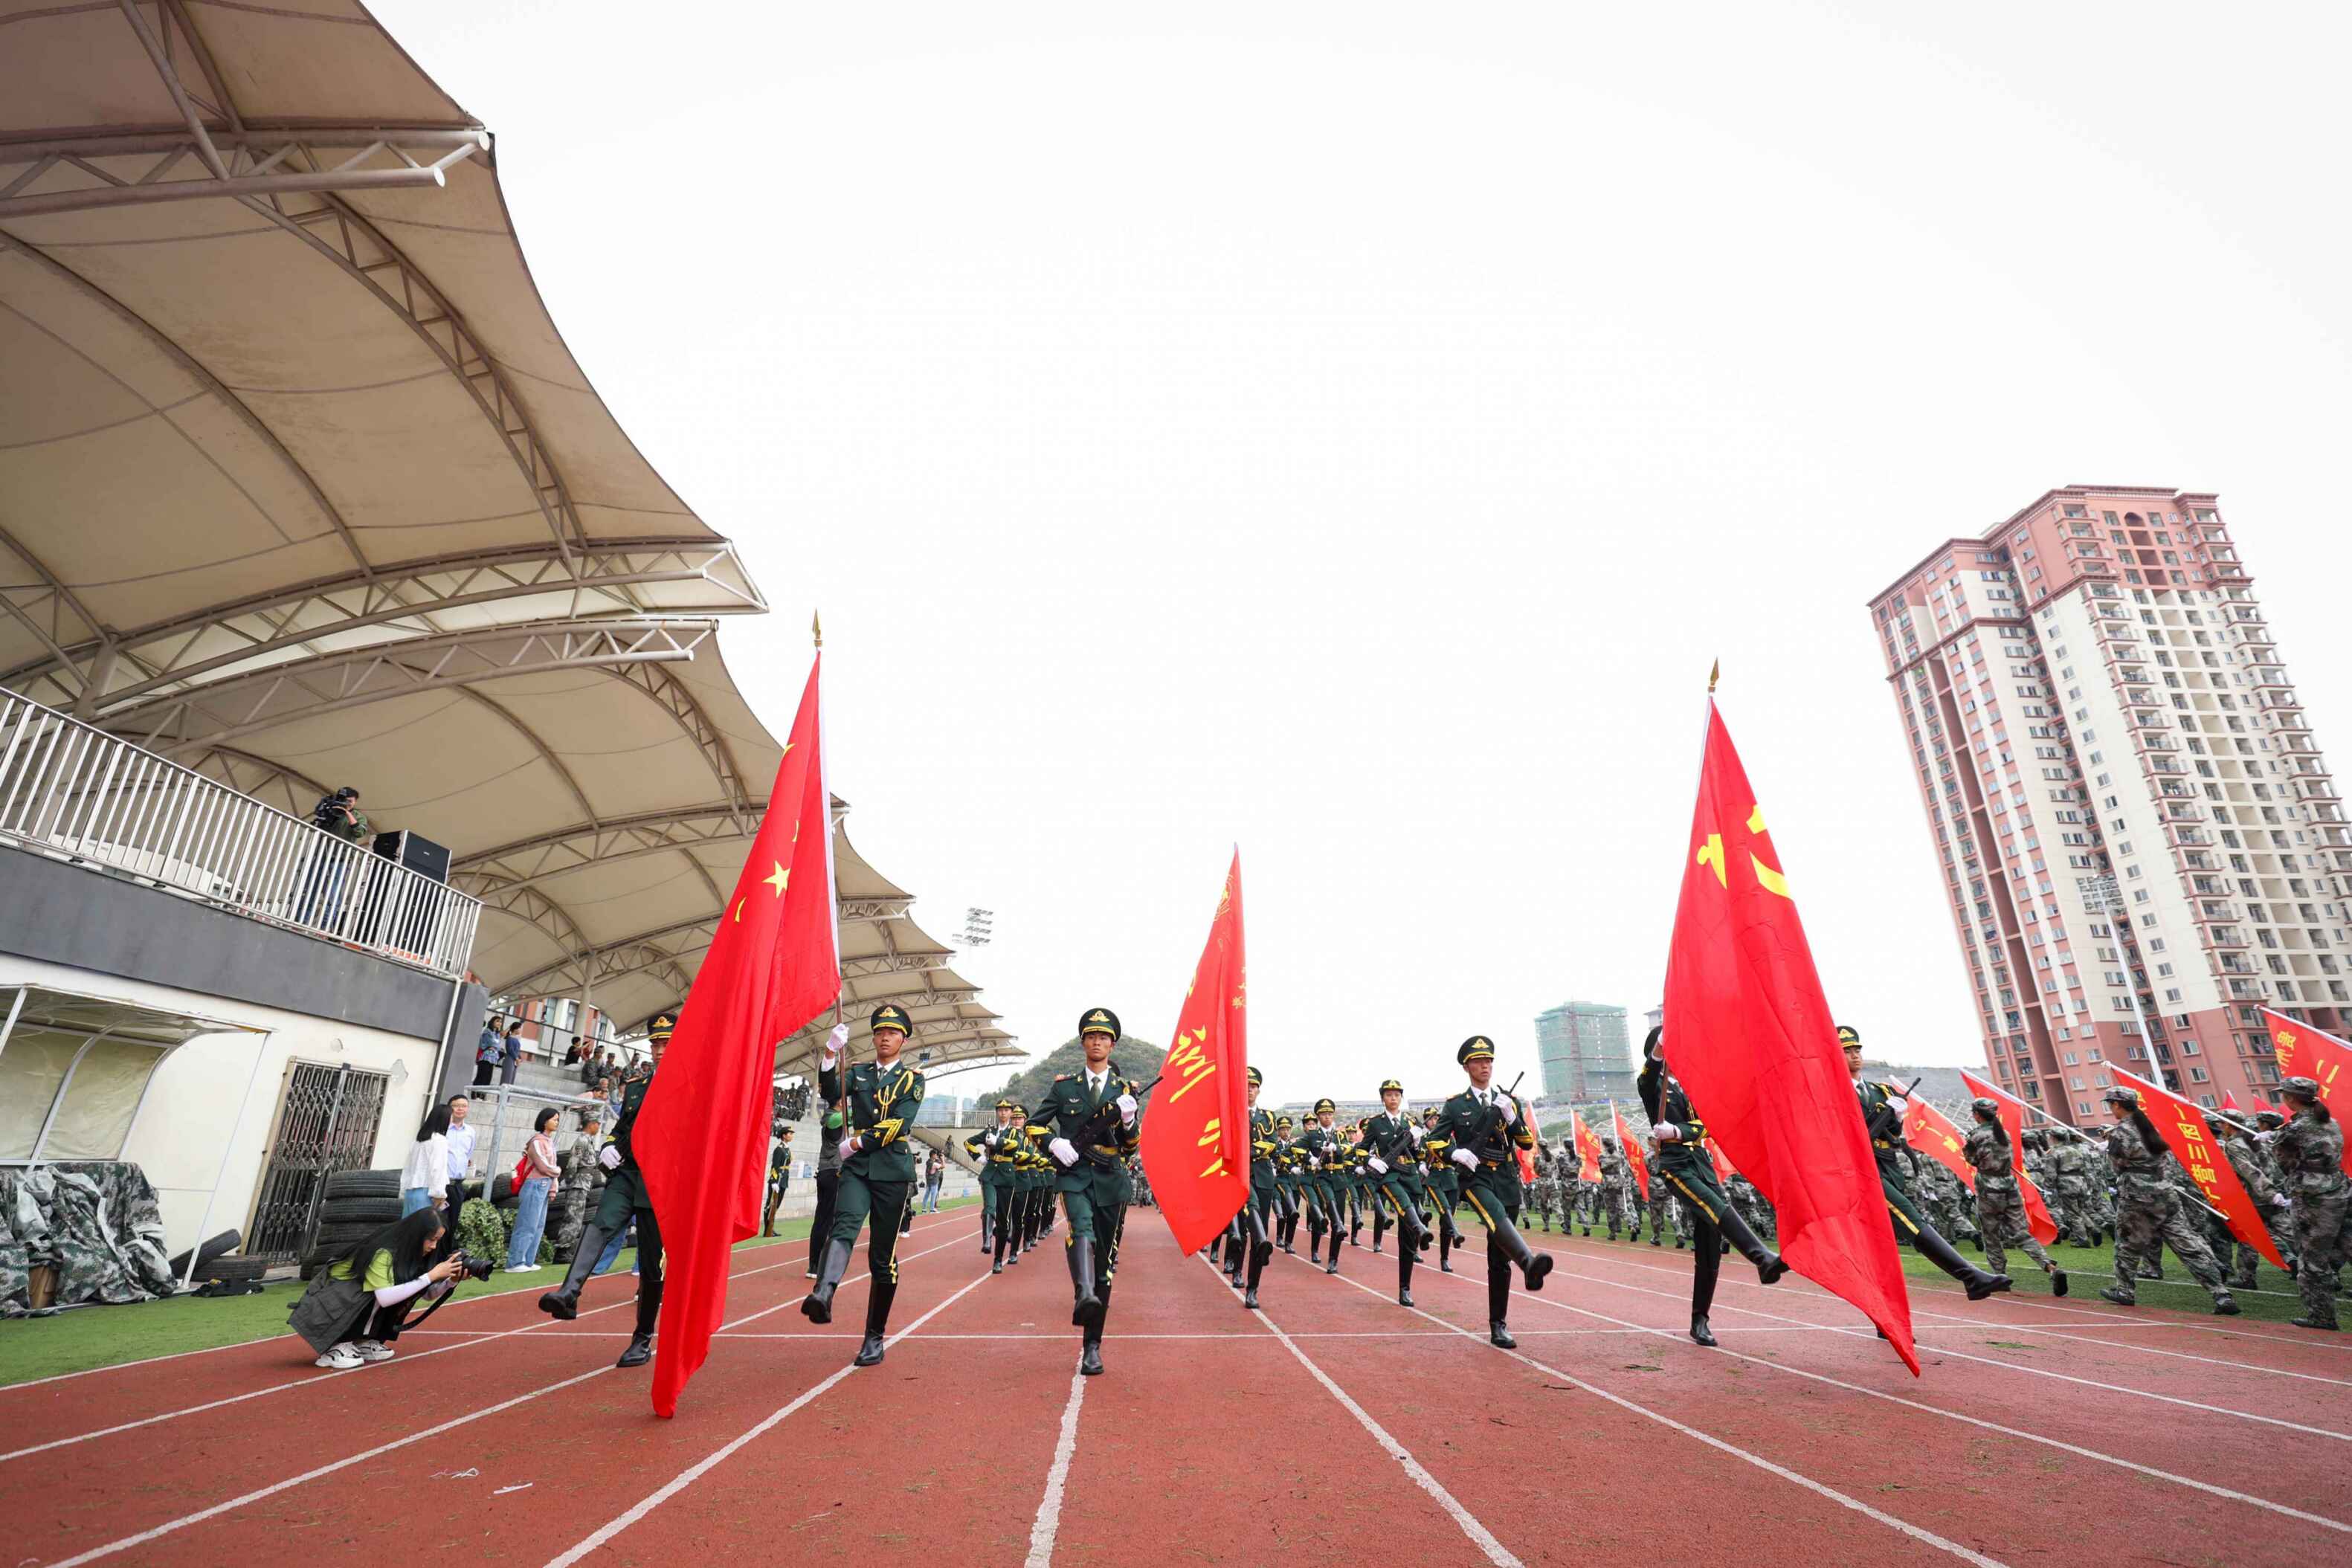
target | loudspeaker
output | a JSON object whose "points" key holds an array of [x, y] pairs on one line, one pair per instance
{"points": [[420, 856]]}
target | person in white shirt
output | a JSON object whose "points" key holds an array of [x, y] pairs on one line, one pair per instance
{"points": [[461, 1157], [426, 1175]]}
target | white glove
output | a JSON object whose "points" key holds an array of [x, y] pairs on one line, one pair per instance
{"points": [[1125, 1104], [1510, 1110], [1667, 1133], [988, 1142], [1899, 1105], [2280, 1200], [850, 1143], [1380, 1167], [609, 1157], [1064, 1151], [1415, 1131], [1465, 1159], [834, 1041]]}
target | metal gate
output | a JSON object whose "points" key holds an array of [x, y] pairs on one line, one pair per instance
{"points": [[327, 1123]]}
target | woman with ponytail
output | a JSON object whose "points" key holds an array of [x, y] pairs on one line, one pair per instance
{"points": [[2147, 1211], [2309, 1151]]}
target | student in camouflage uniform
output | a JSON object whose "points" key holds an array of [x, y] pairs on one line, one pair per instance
{"points": [[1544, 1191], [1093, 1179], [2310, 1153], [1477, 1130], [1751, 1205], [576, 1175], [1609, 1198], [2000, 1203], [881, 1099], [2253, 1171], [2148, 1215]]}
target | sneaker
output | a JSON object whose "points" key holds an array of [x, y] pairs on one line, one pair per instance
{"points": [[340, 1358], [523, 1268], [370, 1350]]}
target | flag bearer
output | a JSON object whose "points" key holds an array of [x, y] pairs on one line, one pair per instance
{"points": [[2001, 1207], [877, 1169], [2309, 1150], [1683, 1166], [1477, 1130], [626, 1199]]}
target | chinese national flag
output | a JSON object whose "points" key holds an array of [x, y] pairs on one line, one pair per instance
{"points": [[1931, 1132], [1749, 1034], [702, 1134], [1588, 1148], [1632, 1148], [2313, 1054], [2182, 1127], [1195, 1138], [2045, 1230]]}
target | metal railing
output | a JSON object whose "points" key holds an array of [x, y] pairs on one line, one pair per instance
{"points": [[69, 789]]}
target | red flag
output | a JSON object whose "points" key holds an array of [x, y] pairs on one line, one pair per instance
{"points": [[2182, 1126], [1722, 1165], [2038, 1221], [1633, 1149], [2313, 1054], [1586, 1144], [702, 1134], [2229, 1101], [1931, 1132], [1195, 1138], [1749, 1035]]}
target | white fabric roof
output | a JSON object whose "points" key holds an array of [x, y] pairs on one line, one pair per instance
{"points": [[300, 486]]}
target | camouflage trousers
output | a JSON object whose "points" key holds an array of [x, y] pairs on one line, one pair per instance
{"points": [[2145, 1226], [565, 1218], [2244, 1258], [1662, 1203], [2000, 1221], [2319, 1221], [2081, 1212]]}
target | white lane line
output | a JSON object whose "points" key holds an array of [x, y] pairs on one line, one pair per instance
{"points": [[1902, 1526], [780, 1306], [6, 1389], [2211, 1489], [144, 1536], [1049, 1523], [694, 1472], [1480, 1536]]}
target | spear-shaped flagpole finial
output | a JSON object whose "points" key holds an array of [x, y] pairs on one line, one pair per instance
{"points": [[1712, 674], [816, 627]]}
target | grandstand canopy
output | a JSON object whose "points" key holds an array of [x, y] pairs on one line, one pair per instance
{"points": [[300, 486]]}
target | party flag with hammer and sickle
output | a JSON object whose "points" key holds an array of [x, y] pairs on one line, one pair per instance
{"points": [[1749, 1034]]}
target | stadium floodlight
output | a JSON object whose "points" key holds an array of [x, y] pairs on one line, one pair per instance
{"points": [[979, 927]]}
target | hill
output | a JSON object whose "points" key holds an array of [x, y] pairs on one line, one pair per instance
{"points": [[1135, 1057]]}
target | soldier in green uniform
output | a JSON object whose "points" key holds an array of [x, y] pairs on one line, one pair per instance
{"points": [[626, 1199], [1000, 1150], [1444, 1193], [1320, 1146], [1392, 1164], [1882, 1110], [877, 1169], [1478, 1130], [1259, 1223], [1091, 1116], [1682, 1166], [2309, 1150], [1285, 1183]]}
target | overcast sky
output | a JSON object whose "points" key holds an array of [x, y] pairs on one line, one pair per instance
{"points": [[1350, 431]]}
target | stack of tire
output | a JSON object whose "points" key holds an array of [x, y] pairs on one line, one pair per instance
{"points": [[358, 1204], [217, 1264]]}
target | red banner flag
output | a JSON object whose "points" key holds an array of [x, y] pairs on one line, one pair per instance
{"points": [[1586, 1144], [1931, 1132], [2229, 1101], [1722, 1165], [1749, 1034], [1195, 1138], [1632, 1148], [2182, 1127], [2038, 1221], [702, 1134], [2303, 1052]]}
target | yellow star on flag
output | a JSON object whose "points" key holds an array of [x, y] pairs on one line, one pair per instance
{"points": [[778, 878]]}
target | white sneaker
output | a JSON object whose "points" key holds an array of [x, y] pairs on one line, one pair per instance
{"points": [[340, 1358], [525, 1269], [371, 1350]]}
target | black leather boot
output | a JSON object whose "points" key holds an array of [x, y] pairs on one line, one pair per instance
{"points": [[1700, 1333], [1533, 1264], [877, 1321], [641, 1343], [563, 1301], [1944, 1255], [1769, 1264], [817, 1305], [1086, 1308]]}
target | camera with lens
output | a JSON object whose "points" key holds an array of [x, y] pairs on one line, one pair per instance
{"points": [[472, 1268]]}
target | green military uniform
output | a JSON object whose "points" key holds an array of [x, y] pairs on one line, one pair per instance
{"points": [[1002, 1151], [1285, 1183], [1080, 1112], [626, 1200], [1444, 1193], [877, 1176], [1320, 1149], [1258, 1208], [1682, 1165], [1478, 1130], [1394, 1181], [1882, 1110]]}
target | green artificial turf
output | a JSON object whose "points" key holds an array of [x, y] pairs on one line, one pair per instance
{"points": [[89, 1337]]}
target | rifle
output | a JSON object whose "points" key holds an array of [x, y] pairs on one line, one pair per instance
{"points": [[1488, 1140], [1879, 1119], [1097, 1127]]}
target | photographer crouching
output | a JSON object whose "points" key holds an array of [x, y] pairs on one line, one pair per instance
{"points": [[358, 1304]]}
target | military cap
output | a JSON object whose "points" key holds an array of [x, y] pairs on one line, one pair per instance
{"points": [[2269, 1120], [662, 1026], [1429, 1114], [890, 1015], [2217, 1123], [1608, 1142], [1099, 1021], [2299, 1088], [1020, 1110], [1984, 1105], [1848, 1035], [1004, 1105], [1256, 1076], [2122, 1094], [1323, 1105], [1284, 1121], [1649, 1041], [1476, 1049], [1389, 1083]]}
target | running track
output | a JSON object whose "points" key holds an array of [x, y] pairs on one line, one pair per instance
{"points": [[2043, 1431]]}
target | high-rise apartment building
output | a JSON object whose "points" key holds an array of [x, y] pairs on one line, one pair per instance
{"points": [[2124, 798], [1583, 1051]]}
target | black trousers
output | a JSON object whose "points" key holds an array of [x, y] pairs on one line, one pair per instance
{"points": [[829, 1184]]}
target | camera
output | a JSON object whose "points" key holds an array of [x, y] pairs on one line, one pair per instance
{"points": [[473, 1268]]}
